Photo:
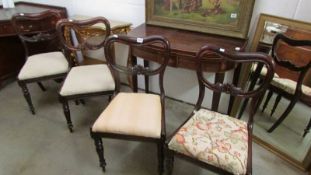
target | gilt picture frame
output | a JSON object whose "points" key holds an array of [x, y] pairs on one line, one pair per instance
{"points": [[221, 17], [281, 25]]}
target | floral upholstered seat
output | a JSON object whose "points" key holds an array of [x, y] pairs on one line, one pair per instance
{"points": [[290, 86], [215, 139]]}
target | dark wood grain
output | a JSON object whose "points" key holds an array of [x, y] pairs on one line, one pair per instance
{"points": [[185, 44]]}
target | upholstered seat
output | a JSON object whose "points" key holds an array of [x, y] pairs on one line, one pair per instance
{"points": [[44, 64], [215, 139], [135, 114], [263, 71], [290, 86], [88, 79]]}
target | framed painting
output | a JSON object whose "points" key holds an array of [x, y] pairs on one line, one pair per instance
{"points": [[222, 17]]}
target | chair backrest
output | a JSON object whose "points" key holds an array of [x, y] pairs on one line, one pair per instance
{"points": [[34, 29], [229, 88], [292, 57], [163, 50], [84, 41]]}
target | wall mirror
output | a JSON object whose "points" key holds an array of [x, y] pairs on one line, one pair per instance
{"points": [[287, 140]]}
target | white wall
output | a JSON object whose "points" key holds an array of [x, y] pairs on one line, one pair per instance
{"points": [[179, 83]]}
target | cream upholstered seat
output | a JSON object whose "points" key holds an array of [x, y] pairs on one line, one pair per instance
{"points": [[88, 79], [290, 86], [135, 114], [263, 71], [215, 139], [44, 64]]}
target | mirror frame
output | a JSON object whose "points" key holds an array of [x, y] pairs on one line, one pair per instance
{"points": [[305, 165]]}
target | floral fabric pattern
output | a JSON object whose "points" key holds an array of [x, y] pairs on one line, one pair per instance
{"points": [[290, 86], [215, 139]]}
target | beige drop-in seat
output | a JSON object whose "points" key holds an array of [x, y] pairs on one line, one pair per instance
{"points": [[263, 71], [44, 64], [290, 86], [135, 114], [88, 79]]}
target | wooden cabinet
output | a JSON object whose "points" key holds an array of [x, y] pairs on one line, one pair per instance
{"points": [[12, 54]]}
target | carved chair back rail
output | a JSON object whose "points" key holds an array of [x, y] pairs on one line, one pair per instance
{"points": [[164, 48], [78, 25], [37, 27]]}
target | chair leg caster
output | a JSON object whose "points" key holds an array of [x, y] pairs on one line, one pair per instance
{"points": [[100, 152], [169, 161], [27, 97], [103, 168], [305, 133], [161, 156], [70, 127], [32, 110], [307, 130], [67, 115]]}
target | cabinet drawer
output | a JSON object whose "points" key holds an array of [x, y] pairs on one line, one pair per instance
{"points": [[6, 29]]}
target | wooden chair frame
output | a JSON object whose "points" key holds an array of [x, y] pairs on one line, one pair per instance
{"points": [[27, 35], [231, 89], [301, 70], [164, 52], [294, 98], [66, 25]]}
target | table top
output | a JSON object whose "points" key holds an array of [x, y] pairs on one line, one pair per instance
{"points": [[23, 7], [188, 41]]}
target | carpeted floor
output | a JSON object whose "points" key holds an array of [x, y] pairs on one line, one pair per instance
{"points": [[41, 144]]}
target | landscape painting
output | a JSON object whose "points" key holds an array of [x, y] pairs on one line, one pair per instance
{"points": [[209, 16], [213, 11]]}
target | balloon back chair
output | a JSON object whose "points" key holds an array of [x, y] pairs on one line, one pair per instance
{"points": [[290, 58], [134, 116], [84, 81], [216, 141], [44, 60]]}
